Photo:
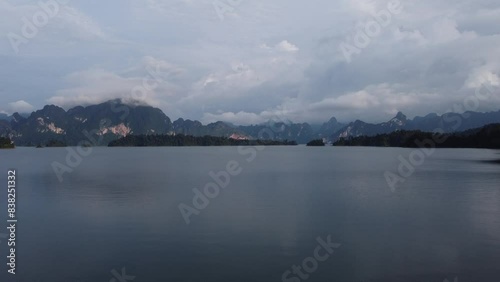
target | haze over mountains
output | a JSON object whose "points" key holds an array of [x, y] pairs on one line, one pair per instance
{"points": [[103, 123]]}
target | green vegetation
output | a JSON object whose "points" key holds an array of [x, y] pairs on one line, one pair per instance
{"points": [[56, 143], [52, 143], [6, 143], [187, 140], [316, 143], [484, 137]]}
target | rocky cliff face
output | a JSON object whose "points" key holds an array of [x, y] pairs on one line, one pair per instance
{"points": [[103, 122]]}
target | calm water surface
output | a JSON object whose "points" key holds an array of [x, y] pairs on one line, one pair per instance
{"points": [[120, 209]]}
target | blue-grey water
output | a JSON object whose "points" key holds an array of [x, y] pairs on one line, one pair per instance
{"points": [[119, 210]]}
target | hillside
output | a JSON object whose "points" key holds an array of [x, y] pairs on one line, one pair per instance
{"points": [[97, 125], [484, 137]]}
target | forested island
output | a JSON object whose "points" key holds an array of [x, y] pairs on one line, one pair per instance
{"points": [[316, 143], [188, 140], [6, 143], [484, 137], [53, 144]]}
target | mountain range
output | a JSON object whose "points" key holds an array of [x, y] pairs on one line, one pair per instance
{"points": [[487, 136], [105, 122]]}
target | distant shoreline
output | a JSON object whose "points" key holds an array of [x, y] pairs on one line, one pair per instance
{"points": [[327, 147], [191, 141], [487, 137]]}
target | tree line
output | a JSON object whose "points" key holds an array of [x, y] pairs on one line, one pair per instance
{"points": [[188, 140], [484, 137]]}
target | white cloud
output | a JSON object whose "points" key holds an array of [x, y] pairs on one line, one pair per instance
{"points": [[286, 46], [446, 30], [482, 76], [263, 56], [279, 113], [150, 83], [240, 118], [20, 106]]}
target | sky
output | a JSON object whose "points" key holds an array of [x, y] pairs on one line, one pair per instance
{"points": [[246, 62]]}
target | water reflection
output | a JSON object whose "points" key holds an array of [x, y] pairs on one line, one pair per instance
{"points": [[120, 209]]}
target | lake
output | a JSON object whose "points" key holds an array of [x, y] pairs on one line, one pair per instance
{"points": [[285, 214]]}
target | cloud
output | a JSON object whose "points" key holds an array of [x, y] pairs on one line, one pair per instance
{"points": [[20, 106], [482, 76], [46, 24], [240, 118], [279, 113], [263, 58], [287, 46], [77, 25], [150, 82], [283, 46]]}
